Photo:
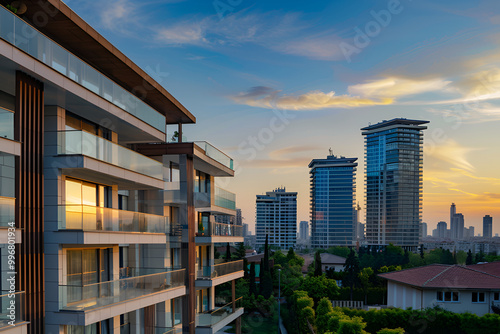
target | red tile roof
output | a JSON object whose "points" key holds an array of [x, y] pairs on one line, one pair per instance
{"points": [[492, 268], [448, 276]]}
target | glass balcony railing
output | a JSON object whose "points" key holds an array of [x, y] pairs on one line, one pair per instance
{"points": [[211, 318], [85, 143], [92, 296], [126, 329], [13, 306], [224, 230], [210, 272], [225, 199], [6, 123], [127, 272], [7, 211], [216, 154], [28, 39], [94, 218]]}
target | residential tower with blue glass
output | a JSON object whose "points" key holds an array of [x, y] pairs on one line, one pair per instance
{"points": [[333, 201]]}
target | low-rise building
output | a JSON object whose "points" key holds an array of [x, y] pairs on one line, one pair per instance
{"points": [[454, 288]]}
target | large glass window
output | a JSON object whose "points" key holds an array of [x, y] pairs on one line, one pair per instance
{"points": [[84, 267], [82, 200], [6, 123], [7, 175]]}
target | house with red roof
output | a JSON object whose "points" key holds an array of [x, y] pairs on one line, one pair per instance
{"points": [[452, 287]]}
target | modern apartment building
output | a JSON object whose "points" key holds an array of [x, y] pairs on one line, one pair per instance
{"points": [[487, 226], [442, 228], [333, 201], [115, 227], [304, 230], [423, 230], [393, 159], [277, 217]]}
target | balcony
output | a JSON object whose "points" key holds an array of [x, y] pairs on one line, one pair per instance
{"points": [[215, 154], [225, 199], [220, 232], [8, 219], [12, 311], [7, 211], [119, 296], [90, 145], [217, 274], [28, 39], [117, 225], [7, 121], [213, 321]]}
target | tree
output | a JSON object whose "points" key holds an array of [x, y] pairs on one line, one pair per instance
{"points": [[266, 255], [323, 314], [469, 259], [228, 252], [461, 257], [422, 251], [252, 285], [364, 278], [240, 251], [480, 257], [351, 271], [318, 270], [291, 255], [318, 287], [266, 281]]}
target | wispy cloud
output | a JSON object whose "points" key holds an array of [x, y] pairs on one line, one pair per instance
{"points": [[452, 153], [266, 97], [116, 12], [323, 46], [291, 157], [242, 27], [397, 87], [477, 112], [183, 33]]}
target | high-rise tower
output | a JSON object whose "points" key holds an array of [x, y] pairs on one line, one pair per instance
{"points": [[393, 157]]}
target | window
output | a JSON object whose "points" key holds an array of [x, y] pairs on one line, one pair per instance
{"points": [[447, 296], [496, 296], [478, 297]]}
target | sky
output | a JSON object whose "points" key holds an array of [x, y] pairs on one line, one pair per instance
{"points": [[275, 84]]}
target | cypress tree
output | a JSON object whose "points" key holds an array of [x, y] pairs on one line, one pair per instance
{"points": [[252, 285], [318, 270], [469, 260], [228, 252]]}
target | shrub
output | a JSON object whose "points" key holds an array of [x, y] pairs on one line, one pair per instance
{"points": [[353, 325], [398, 330]]}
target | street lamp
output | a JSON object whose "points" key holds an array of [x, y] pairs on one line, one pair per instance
{"points": [[279, 299]]}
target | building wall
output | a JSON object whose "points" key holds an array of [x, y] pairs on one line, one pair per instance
{"points": [[404, 296]]}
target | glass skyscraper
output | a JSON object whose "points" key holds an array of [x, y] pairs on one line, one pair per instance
{"points": [[333, 198], [393, 160]]}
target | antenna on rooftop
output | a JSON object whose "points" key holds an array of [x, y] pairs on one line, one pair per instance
{"points": [[330, 150]]}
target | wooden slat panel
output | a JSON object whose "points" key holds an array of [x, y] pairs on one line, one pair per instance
{"points": [[28, 130]]}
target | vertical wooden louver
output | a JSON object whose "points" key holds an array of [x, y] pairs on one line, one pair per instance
{"points": [[149, 319], [28, 129]]}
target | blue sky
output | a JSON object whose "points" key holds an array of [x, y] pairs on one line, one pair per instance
{"points": [[276, 83]]}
